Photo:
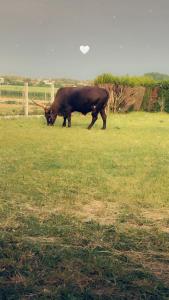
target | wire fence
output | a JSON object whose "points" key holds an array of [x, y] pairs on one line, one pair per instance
{"points": [[17, 100]]}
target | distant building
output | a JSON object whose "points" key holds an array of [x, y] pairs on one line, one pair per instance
{"points": [[47, 81]]}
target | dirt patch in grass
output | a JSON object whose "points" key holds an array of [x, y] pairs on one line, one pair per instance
{"points": [[43, 240], [155, 262], [159, 218], [40, 212], [156, 215], [105, 213], [146, 227]]}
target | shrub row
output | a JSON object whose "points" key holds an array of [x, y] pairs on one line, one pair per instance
{"points": [[108, 78]]}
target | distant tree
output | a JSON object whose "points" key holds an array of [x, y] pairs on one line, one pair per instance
{"points": [[157, 76]]}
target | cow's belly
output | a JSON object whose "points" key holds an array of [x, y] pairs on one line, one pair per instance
{"points": [[84, 111]]}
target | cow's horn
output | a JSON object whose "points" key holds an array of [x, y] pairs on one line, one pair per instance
{"points": [[41, 105]]}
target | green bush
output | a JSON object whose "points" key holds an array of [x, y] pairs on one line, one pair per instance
{"points": [[108, 78], [164, 97]]}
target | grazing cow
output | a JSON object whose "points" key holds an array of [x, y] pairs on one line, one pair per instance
{"points": [[80, 99]]}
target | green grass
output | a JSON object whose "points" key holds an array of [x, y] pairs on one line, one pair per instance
{"points": [[18, 88], [85, 214]]}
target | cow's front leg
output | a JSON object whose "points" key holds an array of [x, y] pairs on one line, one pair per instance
{"points": [[94, 118], [69, 120], [64, 122]]}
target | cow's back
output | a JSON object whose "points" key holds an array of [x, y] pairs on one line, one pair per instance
{"points": [[83, 99]]}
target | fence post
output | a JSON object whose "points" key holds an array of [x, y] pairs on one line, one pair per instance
{"points": [[26, 100], [52, 92]]}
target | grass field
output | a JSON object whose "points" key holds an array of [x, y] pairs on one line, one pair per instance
{"points": [[32, 89], [85, 214]]}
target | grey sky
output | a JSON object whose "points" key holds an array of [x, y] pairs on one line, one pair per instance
{"points": [[41, 38]]}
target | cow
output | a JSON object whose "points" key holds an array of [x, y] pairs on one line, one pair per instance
{"points": [[77, 99]]}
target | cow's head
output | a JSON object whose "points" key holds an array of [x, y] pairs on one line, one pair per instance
{"points": [[49, 114]]}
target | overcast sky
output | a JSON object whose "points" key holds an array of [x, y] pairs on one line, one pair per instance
{"points": [[41, 38]]}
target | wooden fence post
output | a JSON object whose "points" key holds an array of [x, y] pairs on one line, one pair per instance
{"points": [[26, 100], [52, 92]]}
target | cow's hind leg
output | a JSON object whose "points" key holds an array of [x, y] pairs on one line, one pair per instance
{"points": [[69, 120], [64, 122], [104, 117], [94, 118]]}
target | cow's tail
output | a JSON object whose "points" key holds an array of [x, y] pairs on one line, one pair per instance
{"points": [[102, 104]]}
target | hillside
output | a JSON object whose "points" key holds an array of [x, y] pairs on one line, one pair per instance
{"points": [[59, 82]]}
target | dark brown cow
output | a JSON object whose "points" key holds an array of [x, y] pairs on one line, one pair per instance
{"points": [[84, 100]]}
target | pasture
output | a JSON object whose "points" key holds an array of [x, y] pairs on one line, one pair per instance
{"points": [[85, 214], [19, 89]]}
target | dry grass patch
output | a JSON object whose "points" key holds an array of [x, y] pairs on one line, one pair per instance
{"points": [[157, 263], [156, 215], [104, 213]]}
